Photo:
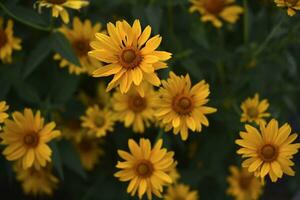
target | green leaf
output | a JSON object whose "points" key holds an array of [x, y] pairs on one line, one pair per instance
{"points": [[27, 92], [56, 158], [62, 46]]}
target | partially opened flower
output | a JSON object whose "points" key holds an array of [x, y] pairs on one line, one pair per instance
{"points": [[292, 5], [181, 191]]}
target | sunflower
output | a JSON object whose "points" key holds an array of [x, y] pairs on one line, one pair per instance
{"points": [[36, 182], [8, 42], [146, 168], [130, 55], [217, 10], [3, 108], [26, 138], [291, 5], [254, 110], [182, 106], [181, 191], [80, 37], [59, 7], [135, 110], [243, 185], [98, 122], [268, 150]]}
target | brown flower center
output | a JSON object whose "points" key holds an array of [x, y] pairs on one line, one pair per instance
{"points": [[252, 112], [130, 58], [214, 6], [58, 2], [144, 169], [183, 104], [268, 153], [31, 139], [245, 181], [3, 38], [136, 103], [81, 47], [100, 121]]}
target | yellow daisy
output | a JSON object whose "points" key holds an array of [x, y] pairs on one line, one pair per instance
{"points": [[268, 150], [8, 42], [243, 185], [80, 37], [72, 130], [130, 55], [291, 5], [3, 108], [135, 110], [145, 168], [26, 139], [98, 122], [254, 110], [216, 11], [59, 7], [182, 192], [36, 182], [182, 106]]}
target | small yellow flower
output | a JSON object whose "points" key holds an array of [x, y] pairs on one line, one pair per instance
{"points": [[135, 110], [291, 5], [146, 168], [215, 11], [98, 122], [3, 108], [254, 110], [182, 106], [8, 42], [243, 185], [26, 139], [59, 7], [72, 130], [268, 150], [181, 191], [80, 37], [130, 56]]}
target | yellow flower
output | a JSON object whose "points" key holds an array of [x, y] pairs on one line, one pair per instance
{"points": [[59, 7], [174, 174], [8, 42], [72, 130], [291, 5], [36, 182], [130, 55], [215, 11], [243, 185], [3, 108], [254, 110], [146, 168], [181, 191], [268, 151], [133, 109], [26, 138], [182, 106], [98, 122], [80, 37]]}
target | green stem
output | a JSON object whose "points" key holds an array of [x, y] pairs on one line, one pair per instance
{"points": [[246, 22], [159, 135], [12, 15]]}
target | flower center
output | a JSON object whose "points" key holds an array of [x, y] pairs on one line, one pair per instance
{"points": [[214, 6], [130, 58], [245, 181], [3, 38], [252, 112], [81, 47], [144, 169], [100, 121], [268, 153], [31, 139], [58, 2], [137, 103], [183, 104]]}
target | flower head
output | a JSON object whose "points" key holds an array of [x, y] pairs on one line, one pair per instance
{"points": [[269, 150], [146, 168], [182, 106], [3, 108], [181, 191], [291, 5]]}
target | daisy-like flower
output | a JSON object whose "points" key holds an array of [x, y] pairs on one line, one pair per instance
{"points": [[254, 110], [36, 182], [243, 185], [291, 5], [135, 110], [3, 108], [59, 7], [80, 37], [97, 121], [26, 139], [269, 150], [146, 168], [217, 11], [181, 191], [130, 55], [72, 130], [8, 42], [182, 106]]}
